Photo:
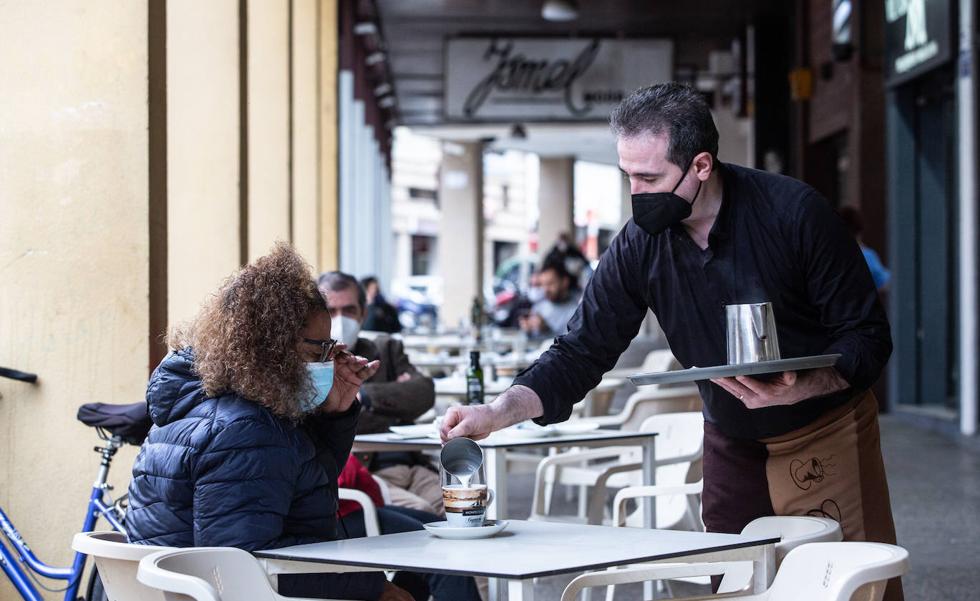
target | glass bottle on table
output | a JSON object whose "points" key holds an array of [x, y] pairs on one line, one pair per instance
{"points": [[474, 380]]}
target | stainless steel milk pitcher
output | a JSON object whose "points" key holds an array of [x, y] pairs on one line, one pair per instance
{"points": [[751, 333]]}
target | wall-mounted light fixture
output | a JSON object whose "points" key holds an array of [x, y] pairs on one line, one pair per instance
{"points": [[365, 28], [559, 10]]}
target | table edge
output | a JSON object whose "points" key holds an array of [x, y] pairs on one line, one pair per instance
{"points": [[540, 574], [638, 436]]}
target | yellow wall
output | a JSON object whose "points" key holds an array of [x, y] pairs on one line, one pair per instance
{"points": [[73, 249], [93, 166]]}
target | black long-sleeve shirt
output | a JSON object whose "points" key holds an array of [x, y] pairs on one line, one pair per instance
{"points": [[774, 239]]}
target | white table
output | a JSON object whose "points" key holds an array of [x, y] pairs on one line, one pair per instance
{"points": [[524, 551], [496, 446]]}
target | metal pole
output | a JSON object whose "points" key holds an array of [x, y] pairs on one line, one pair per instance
{"points": [[966, 105]]}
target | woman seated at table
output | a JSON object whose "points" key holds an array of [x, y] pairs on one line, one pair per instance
{"points": [[254, 412], [392, 520]]}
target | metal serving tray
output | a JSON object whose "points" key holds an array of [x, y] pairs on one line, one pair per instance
{"points": [[695, 374]]}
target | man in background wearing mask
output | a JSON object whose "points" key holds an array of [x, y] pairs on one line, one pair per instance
{"points": [[705, 235], [396, 395]]}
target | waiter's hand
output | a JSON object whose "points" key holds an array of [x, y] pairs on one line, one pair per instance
{"points": [[788, 389], [515, 405]]}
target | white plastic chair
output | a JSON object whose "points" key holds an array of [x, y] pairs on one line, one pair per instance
{"points": [[793, 531], [372, 526], [811, 572], [679, 444], [117, 561], [655, 361], [208, 574], [650, 401]]}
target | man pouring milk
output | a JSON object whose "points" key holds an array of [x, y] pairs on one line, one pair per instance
{"points": [[704, 235]]}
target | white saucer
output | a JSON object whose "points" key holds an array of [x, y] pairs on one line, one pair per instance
{"points": [[416, 431], [531, 430], [576, 427], [442, 530]]}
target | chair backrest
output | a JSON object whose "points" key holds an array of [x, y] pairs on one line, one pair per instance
{"points": [[369, 512], [117, 561], [385, 489], [834, 571], [659, 360], [650, 401], [793, 531], [678, 435], [207, 574]]}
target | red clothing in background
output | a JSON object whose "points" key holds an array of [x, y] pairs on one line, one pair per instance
{"points": [[355, 475]]}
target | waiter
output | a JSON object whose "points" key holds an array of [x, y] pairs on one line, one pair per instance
{"points": [[704, 235]]}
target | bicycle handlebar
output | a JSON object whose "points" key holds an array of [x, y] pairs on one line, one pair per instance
{"points": [[22, 376]]}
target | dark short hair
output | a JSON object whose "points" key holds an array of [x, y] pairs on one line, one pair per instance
{"points": [[558, 266], [335, 281], [678, 110], [367, 281]]}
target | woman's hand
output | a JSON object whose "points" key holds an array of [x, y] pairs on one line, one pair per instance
{"points": [[349, 372], [393, 593]]}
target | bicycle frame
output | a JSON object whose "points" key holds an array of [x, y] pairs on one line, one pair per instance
{"points": [[13, 565]]}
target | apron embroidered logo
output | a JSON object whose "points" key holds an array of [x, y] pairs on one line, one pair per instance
{"points": [[815, 470], [828, 509]]}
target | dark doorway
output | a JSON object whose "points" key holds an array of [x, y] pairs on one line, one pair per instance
{"points": [[922, 160]]}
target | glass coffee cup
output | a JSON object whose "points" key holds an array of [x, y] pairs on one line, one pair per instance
{"points": [[465, 494]]}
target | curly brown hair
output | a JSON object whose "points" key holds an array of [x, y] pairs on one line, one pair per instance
{"points": [[245, 336]]}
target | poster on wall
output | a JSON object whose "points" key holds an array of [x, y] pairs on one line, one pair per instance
{"points": [[548, 79], [917, 38]]}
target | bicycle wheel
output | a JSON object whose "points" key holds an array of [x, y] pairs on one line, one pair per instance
{"points": [[95, 591]]}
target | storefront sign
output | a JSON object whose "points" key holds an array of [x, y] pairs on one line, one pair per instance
{"points": [[534, 79], [917, 37]]}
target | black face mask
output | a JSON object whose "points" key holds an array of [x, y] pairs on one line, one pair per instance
{"points": [[656, 211]]}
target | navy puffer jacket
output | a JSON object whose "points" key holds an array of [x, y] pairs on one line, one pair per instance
{"points": [[224, 471]]}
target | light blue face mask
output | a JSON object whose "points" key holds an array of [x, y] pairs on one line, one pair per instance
{"points": [[321, 381]]}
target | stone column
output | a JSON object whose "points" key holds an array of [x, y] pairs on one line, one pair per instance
{"points": [[556, 201], [461, 229], [204, 226], [268, 125], [305, 171]]}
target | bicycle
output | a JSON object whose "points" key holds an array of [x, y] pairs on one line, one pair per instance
{"points": [[116, 425]]}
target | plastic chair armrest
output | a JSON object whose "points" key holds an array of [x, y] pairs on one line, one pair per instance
{"points": [[371, 527]]}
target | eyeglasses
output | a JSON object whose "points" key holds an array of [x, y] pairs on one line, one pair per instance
{"points": [[326, 347]]}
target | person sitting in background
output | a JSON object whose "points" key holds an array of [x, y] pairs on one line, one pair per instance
{"points": [[879, 273], [396, 395], [549, 316], [567, 252], [254, 412], [381, 315], [392, 520]]}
